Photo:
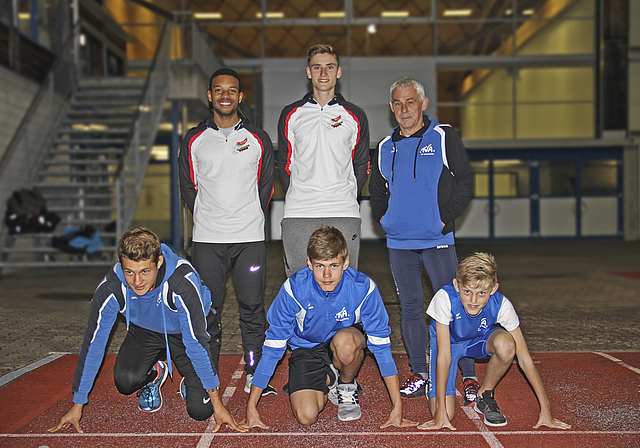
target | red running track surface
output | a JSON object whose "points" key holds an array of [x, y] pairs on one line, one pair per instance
{"points": [[597, 393]]}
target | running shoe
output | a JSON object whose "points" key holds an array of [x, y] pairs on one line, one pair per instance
{"points": [[471, 387], [414, 386], [150, 397], [487, 406], [269, 390], [348, 404]]}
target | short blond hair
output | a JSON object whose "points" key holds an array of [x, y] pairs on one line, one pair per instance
{"points": [[478, 270], [139, 244], [327, 243]]}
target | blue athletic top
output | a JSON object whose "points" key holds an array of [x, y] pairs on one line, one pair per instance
{"points": [[179, 304], [303, 315], [446, 308]]}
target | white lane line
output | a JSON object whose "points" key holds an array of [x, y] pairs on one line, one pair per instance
{"points": [[408, 433], [489, 436], [207, 438], [618, 361], [12, 376]]}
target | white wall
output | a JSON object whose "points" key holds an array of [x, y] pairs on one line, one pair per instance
{"points": [[16, 94], [365, 82]]}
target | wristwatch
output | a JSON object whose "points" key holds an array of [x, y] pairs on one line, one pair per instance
{"points": [[214, 389]]}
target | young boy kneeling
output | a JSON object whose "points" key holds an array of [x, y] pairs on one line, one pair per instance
{"points": [[324, 313], [471, 318]]}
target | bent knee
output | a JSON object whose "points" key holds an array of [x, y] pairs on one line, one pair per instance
{"points": [[200, 413], [306, 417], [505, 346]]}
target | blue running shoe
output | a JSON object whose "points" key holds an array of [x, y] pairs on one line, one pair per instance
{"points": [[150, 396], [182, 390]]}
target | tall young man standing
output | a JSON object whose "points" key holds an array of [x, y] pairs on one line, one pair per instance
{"points": [[323, 161], [226, 180]]}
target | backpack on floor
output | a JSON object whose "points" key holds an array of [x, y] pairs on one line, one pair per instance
{"points": [[27, 212]]}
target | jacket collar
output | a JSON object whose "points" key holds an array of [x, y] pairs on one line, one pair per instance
{"points": [[397, 136], [209, 122]]}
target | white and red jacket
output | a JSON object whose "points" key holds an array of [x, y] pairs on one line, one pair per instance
{"points": [[323, 158], [226, 182]]}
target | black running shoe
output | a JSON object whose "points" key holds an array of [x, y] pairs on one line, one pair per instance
{"points": [[487, 406]]}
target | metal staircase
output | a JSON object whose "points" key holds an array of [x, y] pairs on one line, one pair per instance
{"points": [[91, 167]]}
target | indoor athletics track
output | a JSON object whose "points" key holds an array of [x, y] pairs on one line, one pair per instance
{"points": [[597, 393]]}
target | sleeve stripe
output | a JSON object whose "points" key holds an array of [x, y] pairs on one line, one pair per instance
{"points": [[379, 341], [443, 145], [191, 171], [99, 322], [186, 310], [275, 343]]}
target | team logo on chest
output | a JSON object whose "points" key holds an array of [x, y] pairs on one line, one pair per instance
{"points": [[342, 315], [242, 145], [427, 150], [483, 324], [337, 121]]}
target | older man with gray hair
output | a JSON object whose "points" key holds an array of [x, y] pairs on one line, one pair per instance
{"points": [[421, 181]]}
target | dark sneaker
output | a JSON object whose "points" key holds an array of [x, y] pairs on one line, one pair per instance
{"points": [[269, 390], [150, 396], [487, 406], [414, 386], [348, 405], [471, 387]]}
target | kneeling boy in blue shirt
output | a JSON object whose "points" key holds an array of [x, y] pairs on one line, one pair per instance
{"points": [[324, 313], [471, 318]]}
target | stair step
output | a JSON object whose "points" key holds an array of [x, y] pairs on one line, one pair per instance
{"points": [[68, 122], [113, 102], [82, 132], [119, 92], [105, 162], [44, 249], [90, 141], [111, 81], [88, 113], [85, 152], [40, 236], [55, 264], [86, 208]]}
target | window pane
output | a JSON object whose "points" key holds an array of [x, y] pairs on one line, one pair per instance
{"points": [[599, 177], [557, 178], [511, 178]]}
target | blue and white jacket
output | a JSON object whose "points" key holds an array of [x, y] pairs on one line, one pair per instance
{"points": [[179, 304], [303, 315], [419, 182]]}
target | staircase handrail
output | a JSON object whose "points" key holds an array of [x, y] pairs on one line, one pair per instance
{"points": [[131, 171]]}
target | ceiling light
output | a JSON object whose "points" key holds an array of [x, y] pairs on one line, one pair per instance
{"points": [[24, 16], [371, 29], [394, 14], [508, 12], [332, 14], [457, 12], [207, 15], [527, 12], [271, 15]]}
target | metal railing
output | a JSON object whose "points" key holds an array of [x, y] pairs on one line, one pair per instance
{"points": [[144, 129]]}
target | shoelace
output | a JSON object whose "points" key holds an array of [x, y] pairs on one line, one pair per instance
{"points": [[347, 395], [471, 386], [491, 404], [146, 394]]}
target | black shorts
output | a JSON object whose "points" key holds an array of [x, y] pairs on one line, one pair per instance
{"points": [[309, 367]]}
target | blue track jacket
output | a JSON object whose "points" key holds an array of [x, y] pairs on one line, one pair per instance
{"points": [[303, 315], [179, 304]]}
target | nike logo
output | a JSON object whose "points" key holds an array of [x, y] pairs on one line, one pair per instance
{"points": [[206, 400]]}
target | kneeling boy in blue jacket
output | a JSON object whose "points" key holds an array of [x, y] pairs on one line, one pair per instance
{"points": [[324, 314]]}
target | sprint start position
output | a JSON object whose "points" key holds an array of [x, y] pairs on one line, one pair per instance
{"points": [[471, 318], [324, 313], [168, 313]]}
